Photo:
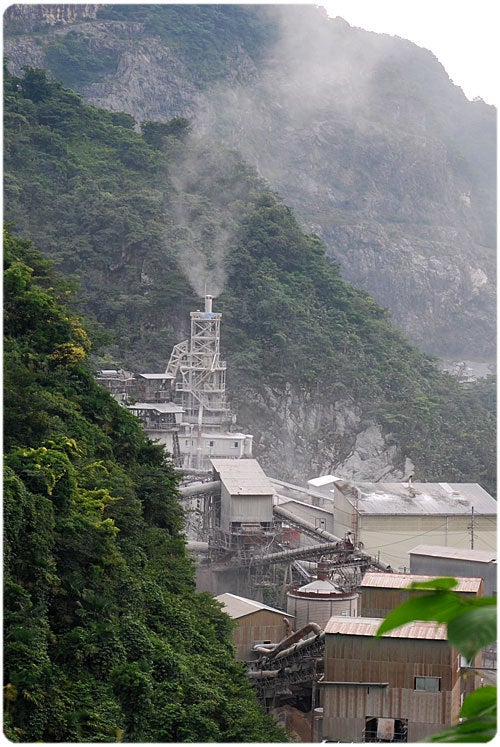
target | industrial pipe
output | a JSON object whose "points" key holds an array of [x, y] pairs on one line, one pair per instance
{"points": [[202, 487], [311, 627], [292, 518]]}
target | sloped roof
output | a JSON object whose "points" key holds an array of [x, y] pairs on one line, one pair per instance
{"points": [[156, 376], [428, 498], [243, 476], [368, 626], [162, 407], [441, 551], [238, 607], [403, 580]]}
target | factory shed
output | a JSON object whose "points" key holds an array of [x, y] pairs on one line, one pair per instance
{"points": [[454, 561], [401, 687], [390, 518], [257, 624], [154, 387], [382, 592], [157, 415]]}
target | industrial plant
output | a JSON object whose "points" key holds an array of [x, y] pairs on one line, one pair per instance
{"points": [[301, 568]]}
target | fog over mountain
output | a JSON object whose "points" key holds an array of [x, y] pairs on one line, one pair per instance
{"points": [[364, 134]]}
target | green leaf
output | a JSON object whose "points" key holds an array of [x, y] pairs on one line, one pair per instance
{"points": [[473, 630], [480, 702], [441, 607], [443, 584]]}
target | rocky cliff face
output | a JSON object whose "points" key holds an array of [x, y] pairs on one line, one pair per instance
{"points": [[364, 134], [379, 154], [299, 435]]}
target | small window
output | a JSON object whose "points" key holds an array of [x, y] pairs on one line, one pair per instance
{"points": [[236, 444], [428, 684], [210, 443]]}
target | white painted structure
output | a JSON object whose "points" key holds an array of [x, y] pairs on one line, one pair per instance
{"points": [[391, 518]]}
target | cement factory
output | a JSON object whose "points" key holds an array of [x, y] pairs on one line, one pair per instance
{"points": [[308, 571]]}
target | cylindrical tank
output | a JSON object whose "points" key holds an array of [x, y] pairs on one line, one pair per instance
{"points": [[208, 303], [320, 600]]}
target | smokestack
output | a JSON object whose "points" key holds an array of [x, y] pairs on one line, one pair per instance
{"points": [[208, 303]]}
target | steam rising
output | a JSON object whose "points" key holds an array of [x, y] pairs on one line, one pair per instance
{"points": [[210, 188]]}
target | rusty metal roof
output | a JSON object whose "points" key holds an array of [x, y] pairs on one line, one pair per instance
{"points": [[243, 476], [442, 551], [403, 580], [419, 498], [368, 626]]}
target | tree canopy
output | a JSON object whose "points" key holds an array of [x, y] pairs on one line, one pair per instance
{"points": [[105, 638]]}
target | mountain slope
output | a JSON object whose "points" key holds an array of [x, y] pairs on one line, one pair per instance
{"points": [[363, 134], [316, 371], [105, 639]]}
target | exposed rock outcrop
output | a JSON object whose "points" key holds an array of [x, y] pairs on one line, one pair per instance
{"points": [[364, 134]]}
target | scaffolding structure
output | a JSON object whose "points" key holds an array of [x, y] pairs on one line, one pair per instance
{"points": [[203, 385]]}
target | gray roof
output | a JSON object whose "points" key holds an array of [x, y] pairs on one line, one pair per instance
{"points": [[441, 551], [402, 581], [243, 476], [240, 607], [159, 376], [419, 498], [161, 407]]}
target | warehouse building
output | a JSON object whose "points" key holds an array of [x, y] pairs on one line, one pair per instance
{"points": [[389, 519]]}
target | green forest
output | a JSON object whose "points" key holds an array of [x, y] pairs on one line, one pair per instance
{"points": [[105, 638], [123, 213]]}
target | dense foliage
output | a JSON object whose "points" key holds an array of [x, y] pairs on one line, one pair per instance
{"points": [[105, 638], [291, 318], [130, 214]]}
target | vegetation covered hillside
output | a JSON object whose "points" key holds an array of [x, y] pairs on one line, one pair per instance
{"points": [[146, 219], [104, 637], [363, 134]]}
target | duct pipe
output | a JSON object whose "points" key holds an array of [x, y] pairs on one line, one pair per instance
{"points": [[311, 627], [300, 645], [202, 487], [263, 673]]}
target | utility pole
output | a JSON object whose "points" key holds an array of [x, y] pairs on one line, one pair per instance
{"points": [[472, 529]]}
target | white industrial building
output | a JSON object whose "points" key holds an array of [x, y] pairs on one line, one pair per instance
{"points": [[389, 519]]}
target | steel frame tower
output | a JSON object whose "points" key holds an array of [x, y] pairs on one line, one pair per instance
{"points": [[203, 384]]}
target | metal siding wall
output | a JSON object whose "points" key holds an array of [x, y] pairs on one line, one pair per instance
{"points": [[456, 567], [395, 536], [252, 508], [259, 626], [392, 660]]}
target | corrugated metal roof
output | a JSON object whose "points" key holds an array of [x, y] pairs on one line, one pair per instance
{"points": [[243, 476], [403, 580], [157, 406], [441, 551], [419, 498], [240, 607], [368, 626]]}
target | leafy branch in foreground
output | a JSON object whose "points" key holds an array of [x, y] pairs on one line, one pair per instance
{"points": [[470, 625]]}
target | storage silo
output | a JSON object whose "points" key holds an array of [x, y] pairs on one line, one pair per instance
{"points": [[319, 600]]}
